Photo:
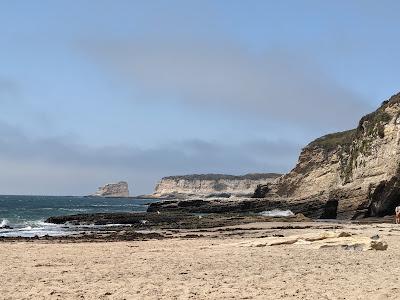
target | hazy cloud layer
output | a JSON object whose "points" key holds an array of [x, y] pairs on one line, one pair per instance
{"points": [[8, 90], [217, 74], [57, 165]]}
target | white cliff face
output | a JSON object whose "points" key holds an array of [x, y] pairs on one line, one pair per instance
{"points": [[119, 189], [212, 184], [350, 164], [377, 159]]}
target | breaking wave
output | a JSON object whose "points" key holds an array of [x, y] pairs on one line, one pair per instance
{"points": [[277, 213], [4, 223]]}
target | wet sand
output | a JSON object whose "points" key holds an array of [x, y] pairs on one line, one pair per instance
{"points": [[216, 263]]}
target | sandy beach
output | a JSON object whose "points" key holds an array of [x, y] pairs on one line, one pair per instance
{"points": [[219, 263]]}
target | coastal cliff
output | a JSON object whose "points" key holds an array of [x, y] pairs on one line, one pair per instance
{"points": [[119, 189], [212, 184], [359, 168]]}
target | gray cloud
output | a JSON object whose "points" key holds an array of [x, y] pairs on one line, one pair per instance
{"points": [[276, 85], [60, 166]]}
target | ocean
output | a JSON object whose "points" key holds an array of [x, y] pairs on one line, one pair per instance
{"points": [[25, 215]]}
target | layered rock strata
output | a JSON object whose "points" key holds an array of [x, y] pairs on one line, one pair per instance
{"points": [[358, 168], [212, 185]]}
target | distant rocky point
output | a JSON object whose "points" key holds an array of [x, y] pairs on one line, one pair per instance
{"points": [[119, 189], [211, 185]]}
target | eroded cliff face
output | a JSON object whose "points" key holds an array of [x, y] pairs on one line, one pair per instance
{"points": [[119, 189], [210, 184], [350, 165]]}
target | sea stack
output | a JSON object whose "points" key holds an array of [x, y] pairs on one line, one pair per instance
{"points": [[119, 189]]}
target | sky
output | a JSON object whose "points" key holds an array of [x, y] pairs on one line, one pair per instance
{"points": [[98, 91]]}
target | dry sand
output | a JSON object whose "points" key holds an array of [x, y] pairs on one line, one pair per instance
{"points": [[217, 265]]}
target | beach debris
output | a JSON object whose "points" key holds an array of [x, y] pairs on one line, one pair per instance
{"points": [[143, 222], [327, 239], [375, 237], [379, 245], [344, 234]]}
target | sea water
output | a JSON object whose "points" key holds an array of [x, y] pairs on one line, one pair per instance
{"points": [[25, 215]]}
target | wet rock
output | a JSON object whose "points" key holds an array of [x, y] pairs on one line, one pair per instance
{"points": [[310, 209], [6, 227], [219, 195], [172, 220]]}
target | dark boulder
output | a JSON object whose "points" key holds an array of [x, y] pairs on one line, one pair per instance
{"points": [[261, 191]]}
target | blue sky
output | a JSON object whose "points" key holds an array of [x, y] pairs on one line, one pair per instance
{"points": [[98, 91]]}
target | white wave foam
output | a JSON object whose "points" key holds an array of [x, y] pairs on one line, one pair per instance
{"points": [[117, 205], [74, 209], [26, 228], [4, 223], [277, 213], [42, 223], [36, 228]]}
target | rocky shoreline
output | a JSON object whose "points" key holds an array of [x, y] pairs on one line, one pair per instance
{"points": [[145, 226], [116, 227], [163, 220], [153, 226], [311, 209]]}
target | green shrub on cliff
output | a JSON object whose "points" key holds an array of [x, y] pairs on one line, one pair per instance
{"points": [[331, 141]]}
